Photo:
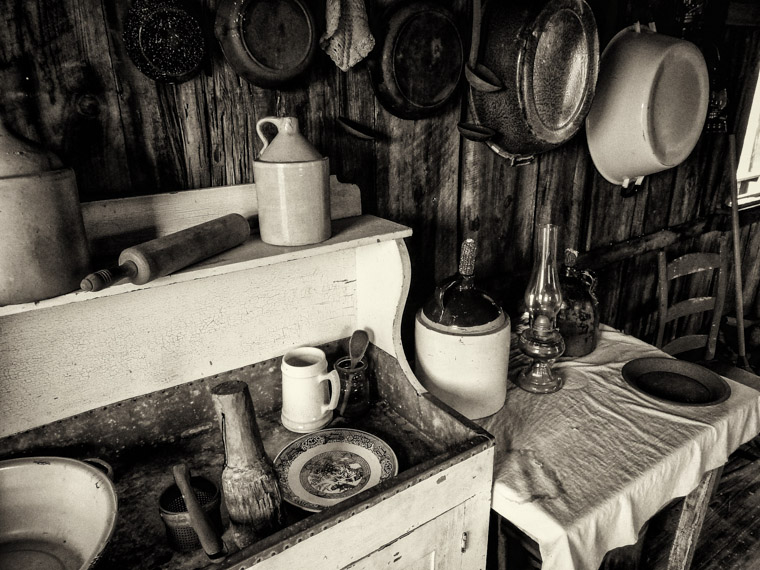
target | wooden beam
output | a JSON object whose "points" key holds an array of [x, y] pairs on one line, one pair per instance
{"points": [[616, 252]]}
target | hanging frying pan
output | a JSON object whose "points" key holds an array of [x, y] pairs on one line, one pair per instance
{"points": [[417, 63], [532, 76], [266, 42], [164, 40]]}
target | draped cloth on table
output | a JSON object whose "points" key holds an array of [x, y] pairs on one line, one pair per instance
{"points": [[581, 470]]}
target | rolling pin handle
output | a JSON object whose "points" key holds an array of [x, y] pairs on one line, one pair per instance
{"points": [[106, 277]]}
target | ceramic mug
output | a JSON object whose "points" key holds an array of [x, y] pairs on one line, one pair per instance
{"points": [[307, 404]]}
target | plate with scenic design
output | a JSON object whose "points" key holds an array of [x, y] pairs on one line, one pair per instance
{"points": [[323, 468]]}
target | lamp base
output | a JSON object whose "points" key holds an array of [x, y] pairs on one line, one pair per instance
{"points": [[539, 379]]}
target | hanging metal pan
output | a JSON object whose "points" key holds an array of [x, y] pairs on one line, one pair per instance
{"points": [[267, 42], [417, 64], [539, 64], [164, 40]]}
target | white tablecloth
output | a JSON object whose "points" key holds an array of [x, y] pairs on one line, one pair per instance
{"points": [[581, 470]]}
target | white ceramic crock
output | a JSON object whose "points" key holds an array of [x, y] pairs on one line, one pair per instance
{"points": [[650, 105], [464, 368]]}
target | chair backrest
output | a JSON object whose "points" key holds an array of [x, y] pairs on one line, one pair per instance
{"points": [[689, 264]]}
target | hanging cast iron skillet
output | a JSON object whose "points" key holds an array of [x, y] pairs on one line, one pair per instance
{"points": [[164, 40], [267, 42], [532, 76], [417, 62]]}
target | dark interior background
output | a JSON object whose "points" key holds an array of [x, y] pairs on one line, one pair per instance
{"points": [[68, 83]]}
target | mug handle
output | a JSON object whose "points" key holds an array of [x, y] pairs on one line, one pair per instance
{"points": [[334, 379]]}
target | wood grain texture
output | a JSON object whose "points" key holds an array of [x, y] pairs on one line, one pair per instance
{"points": [[69, 84], [249, 483]]}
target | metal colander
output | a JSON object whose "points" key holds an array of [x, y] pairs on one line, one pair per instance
{"points": [[179, 530]]}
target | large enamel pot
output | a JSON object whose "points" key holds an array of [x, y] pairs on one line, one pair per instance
{"points": [[650, 105], [538, 65], [55, 512]]}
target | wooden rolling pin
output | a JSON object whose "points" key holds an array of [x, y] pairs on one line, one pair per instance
{"points": [[169, 253]]}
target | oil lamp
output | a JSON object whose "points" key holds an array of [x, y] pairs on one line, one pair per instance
{"points": [[542, 341]]}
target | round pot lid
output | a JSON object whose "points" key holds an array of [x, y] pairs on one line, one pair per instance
{"points": [[419, 64], [542, 63], [650, 105], [267, 42], [164, 40]]}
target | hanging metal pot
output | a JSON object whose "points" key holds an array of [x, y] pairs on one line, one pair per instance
{"points": [[417, 64], [267, 42], [532, 74], [650, 106]]}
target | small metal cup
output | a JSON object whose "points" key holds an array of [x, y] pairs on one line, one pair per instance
{"points": [[179, 530]]}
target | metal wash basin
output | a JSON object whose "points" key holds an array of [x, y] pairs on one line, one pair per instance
{"points": [[55, 513]]}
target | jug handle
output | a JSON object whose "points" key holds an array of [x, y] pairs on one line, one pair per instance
{"points": [[283, 124], [276, 121]]}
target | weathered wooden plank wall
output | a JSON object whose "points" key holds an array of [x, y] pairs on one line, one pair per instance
{"points": [[69, 84]]}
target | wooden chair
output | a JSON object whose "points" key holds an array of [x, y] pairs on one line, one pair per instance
{"points": [[689, 264]]}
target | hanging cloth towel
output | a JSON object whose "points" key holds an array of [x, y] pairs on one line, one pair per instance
{"points": [[347, 39]]}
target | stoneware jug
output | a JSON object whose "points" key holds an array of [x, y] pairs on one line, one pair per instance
{"points": [[44, 250], [461, 341], [292, 185]]}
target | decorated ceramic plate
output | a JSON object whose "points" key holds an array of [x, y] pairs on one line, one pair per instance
{"points": [[323, 468]]}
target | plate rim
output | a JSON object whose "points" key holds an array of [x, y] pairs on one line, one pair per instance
{"points": [[318, 508], [725, 387]]}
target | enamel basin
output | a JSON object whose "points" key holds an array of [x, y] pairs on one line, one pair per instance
{"points": [[55, 513]]}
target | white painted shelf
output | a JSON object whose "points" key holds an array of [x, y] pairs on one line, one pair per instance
{"points": [[348, 233]]}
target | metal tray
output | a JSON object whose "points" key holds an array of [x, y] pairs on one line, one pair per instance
{"points": [[676, 381]]}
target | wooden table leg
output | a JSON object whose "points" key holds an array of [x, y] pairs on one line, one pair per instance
{"points": [[690, 521]]}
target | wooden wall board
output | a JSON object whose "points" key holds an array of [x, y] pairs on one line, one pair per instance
{"points": [[689, 184], [69, 84], [59, 87], [659, 199], [560, 198]]}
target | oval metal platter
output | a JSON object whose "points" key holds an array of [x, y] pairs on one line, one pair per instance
{"points": [[676, 381]]}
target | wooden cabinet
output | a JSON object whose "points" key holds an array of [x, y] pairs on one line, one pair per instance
{"points": [[125, 374], [436, 544]]}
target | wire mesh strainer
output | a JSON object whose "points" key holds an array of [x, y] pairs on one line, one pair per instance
{"points": [[179, 530]]}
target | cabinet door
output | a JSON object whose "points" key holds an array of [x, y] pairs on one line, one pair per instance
{"points": [[436, 545]]}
